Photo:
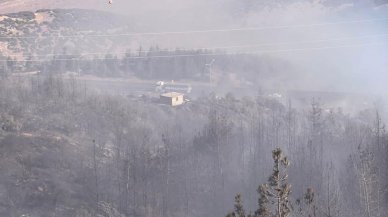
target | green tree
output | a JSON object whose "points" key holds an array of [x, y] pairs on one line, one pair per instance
{"points": [[264, 202], [274, 195], [278, 190], [238, 208]]}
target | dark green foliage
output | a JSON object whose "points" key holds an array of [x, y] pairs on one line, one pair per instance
{"points": [[26, 15]]}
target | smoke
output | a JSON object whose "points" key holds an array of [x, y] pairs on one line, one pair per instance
{"points": [[331, 45], [340, 54]]}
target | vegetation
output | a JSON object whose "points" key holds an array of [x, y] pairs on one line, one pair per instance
{"points": [[66, 151], [69, 152], [274, 196], [39, 35], [60, 41]]}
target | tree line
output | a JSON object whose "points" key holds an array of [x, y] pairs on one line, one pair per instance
{"points": [[152, 63]]}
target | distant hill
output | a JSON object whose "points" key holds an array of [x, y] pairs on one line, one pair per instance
{"points": [[381, 2], [26, 34], [7, 6]]}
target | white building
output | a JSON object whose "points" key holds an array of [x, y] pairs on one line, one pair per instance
{"points": [[172, 98]]}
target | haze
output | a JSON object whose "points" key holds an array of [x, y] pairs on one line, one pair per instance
{"points": [[358, 68], [193, 108]]}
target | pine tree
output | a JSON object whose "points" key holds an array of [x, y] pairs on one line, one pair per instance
{"points": [[309, 199], [273, 201], [280, 189], [238, 208], [264, 202], [277, 191]]}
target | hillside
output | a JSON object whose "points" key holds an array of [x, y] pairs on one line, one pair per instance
{"points": [[85, 132], [58, 34], [29, 34], [68, 152], [7, 6]]}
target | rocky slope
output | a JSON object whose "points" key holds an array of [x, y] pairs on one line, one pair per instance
{"points": [[7, 6], [27, 35]]}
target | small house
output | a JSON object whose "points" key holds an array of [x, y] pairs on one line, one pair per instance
{"points": [[172, 98]]}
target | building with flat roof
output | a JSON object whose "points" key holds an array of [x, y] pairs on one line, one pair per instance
{"points": [[172, 98]]}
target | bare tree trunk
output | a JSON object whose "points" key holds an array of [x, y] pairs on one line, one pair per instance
{"points": [[278, 187], [134, 187], [95, 170]]}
